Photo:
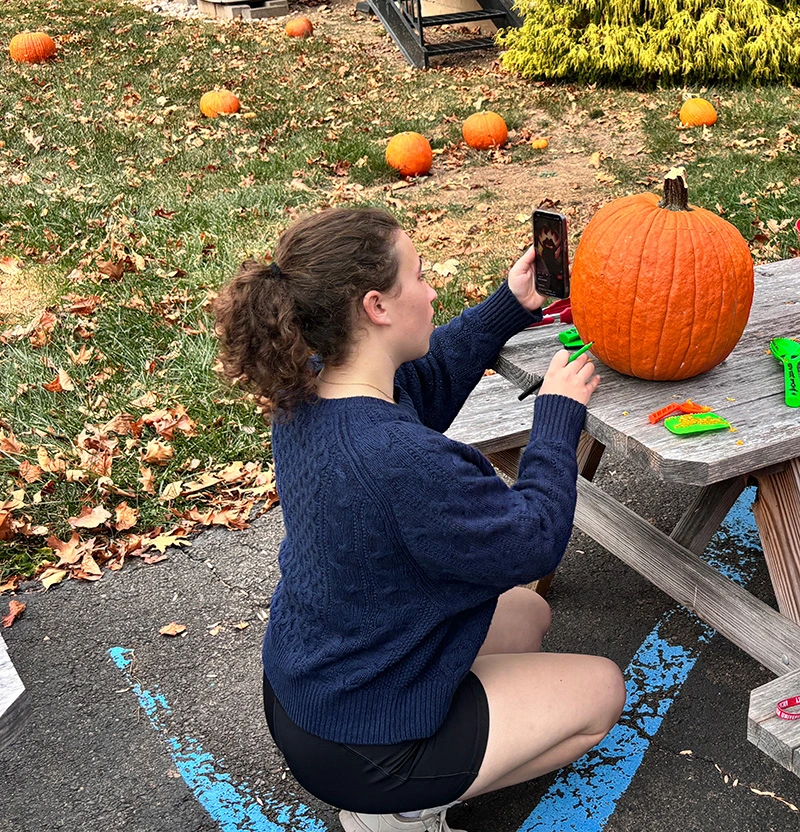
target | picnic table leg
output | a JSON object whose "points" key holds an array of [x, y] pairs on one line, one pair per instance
{"points": [[703, 517], [589, 453], [777, 513]]}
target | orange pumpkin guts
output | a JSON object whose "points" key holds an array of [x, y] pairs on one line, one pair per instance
{"points": [[696, 112], [663, 289], [409, 153], [300, 27], [218, 101], [31, 47], [484, 130]]}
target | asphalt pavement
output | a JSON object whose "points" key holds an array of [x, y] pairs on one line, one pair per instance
{"points": [[133, 730]]}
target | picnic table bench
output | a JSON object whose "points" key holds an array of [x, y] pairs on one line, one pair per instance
{"points": [[748, 390]]}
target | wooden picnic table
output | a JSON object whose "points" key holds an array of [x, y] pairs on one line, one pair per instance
{"points": [[747, 389]]}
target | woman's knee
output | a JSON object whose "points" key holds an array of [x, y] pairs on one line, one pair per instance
{"points": [[609, 693], [520, 622]]}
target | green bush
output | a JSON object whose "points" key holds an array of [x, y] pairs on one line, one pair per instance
{"points": [[642, 41]]}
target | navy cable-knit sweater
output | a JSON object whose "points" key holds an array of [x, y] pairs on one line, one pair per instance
{"points": [[399, 540]]}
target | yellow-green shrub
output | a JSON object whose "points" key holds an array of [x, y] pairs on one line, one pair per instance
{"points": [[645, 40]]}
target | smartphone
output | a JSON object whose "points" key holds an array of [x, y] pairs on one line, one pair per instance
{"points": [[552, 260]]}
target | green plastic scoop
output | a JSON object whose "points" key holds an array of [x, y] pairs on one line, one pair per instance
{"points": [[788, 352]]}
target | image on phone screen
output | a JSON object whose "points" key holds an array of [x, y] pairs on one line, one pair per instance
{"points": [[552, 262]]}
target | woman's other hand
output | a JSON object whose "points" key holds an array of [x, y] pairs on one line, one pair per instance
{"points": [[575, 380], [521, 281]]}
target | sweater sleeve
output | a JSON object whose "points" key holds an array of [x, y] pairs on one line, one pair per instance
{"points": [[460, 351], [458, 520]]}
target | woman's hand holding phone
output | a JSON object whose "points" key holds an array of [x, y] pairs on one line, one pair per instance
{"points": [[574, 379], [521, 281]]}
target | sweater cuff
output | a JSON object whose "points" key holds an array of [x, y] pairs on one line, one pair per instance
{"points": [[504, 315], [558, 418]]}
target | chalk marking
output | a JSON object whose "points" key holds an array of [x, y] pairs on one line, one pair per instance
{"points": [[232, 806]]}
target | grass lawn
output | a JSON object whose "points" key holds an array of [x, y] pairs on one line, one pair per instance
{"points": [[122, 210]]}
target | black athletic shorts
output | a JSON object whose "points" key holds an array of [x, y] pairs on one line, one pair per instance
{"points": [[380, 779]]}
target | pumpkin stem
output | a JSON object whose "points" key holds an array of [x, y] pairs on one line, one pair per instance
{"points": [[676, 193]]}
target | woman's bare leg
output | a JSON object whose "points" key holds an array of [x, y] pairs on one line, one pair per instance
{"points": [[520, 621], [546, 710]]}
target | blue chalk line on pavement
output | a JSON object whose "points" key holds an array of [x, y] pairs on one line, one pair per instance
{"points": [[584, 796], [581, 799], [232, 806]]}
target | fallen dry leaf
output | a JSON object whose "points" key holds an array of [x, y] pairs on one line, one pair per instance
{"points": [[30, 472], [127, 517], [68, 552], [171, 491], [164, 541], [90, 518], [83, 356], [61, 383], [147, 480], [157, 453], [173, 629], [52, 576], [9, 443], [10, 265], [15, 610]]}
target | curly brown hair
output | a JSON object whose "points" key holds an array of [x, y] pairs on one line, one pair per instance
{"points": [[270, 321]]}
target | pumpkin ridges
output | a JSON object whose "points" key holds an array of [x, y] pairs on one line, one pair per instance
{"points": [[741, 294], [640, 268], [622, 342], [680, 363], [651, 329], [717, 345], [581, 302]]}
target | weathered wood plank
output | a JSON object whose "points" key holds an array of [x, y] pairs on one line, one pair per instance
{"points": [[778, 738], [760, 631], [703, 517], [493, 419], [777, 513], [13, 699], [747, 389]]}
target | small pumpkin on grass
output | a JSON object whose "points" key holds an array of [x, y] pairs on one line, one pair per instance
{"points": [[409, 153], [31, 47], [540, 144], [697, 112], [299, 27], [218, 101], [485, 130], [663, 289]]}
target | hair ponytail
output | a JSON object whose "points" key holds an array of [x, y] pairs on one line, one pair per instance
{"points": [[271, 318], [261, 346]]}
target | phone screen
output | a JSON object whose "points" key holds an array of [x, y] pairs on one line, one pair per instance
{"points": [[552, 261]]}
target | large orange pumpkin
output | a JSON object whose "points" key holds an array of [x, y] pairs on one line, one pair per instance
{"points": [[484, 130], [663, 289], [696, 112], [31, 47], [409, 153], [299, 27], [218, 101]]}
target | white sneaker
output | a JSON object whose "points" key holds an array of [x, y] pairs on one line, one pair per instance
{"points": [[431, 820]]}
